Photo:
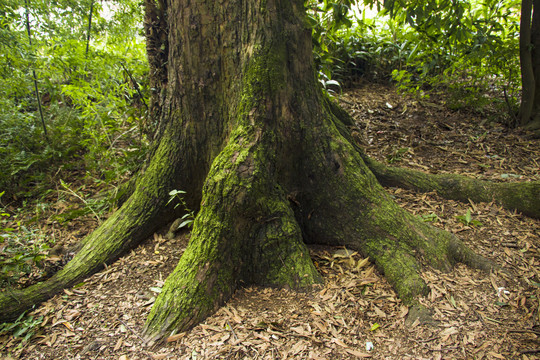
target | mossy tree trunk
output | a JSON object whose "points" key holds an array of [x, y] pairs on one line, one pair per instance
{"points": [[265, 160], [282, 174], [520, 196]]}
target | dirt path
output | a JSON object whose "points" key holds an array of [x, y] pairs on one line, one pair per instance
{"points": [[355, 314]]}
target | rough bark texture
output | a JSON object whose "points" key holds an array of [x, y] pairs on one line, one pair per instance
{"points": [[286, 175], [266, 161], [535, 54], [529, 48], [157, 49]]}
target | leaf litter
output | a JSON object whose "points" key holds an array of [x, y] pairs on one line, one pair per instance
{"points": [[355, 313]]}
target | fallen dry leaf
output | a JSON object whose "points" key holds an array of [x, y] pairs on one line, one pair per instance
{"points": [[358, 353]]}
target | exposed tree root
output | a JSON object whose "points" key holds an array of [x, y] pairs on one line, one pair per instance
{"points": [[245, 233], [344, 204], [116, 235], [523, 196], [140, 216], [259, 208]]}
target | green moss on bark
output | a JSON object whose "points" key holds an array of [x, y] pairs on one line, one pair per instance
{"points": [[344, 204], [244, 233], [523, 197], [142, 214]]}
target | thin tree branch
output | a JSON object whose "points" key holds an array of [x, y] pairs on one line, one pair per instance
{"points": [[89, 29], [36, 89], [135, 84]]}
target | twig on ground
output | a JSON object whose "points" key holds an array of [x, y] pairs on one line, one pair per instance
{"points": [[133, 331], [232, 330], [98, 353], [532, 351], [446, 348], [427, 340], [525, 331]]}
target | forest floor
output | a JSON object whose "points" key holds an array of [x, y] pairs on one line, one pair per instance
{"points": [[355, 314]]}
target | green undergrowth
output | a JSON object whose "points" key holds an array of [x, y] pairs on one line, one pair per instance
{"points": [[21, 330], [89, 114], [65, 149], [466, 51], [23, 250]]}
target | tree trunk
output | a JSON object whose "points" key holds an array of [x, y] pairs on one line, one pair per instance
{"points": [[535, 55], [266, 161], [157, 50], [529, 53], [284, 175]]}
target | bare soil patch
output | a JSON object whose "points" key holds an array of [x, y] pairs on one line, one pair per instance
{"points": [[355, 314]]}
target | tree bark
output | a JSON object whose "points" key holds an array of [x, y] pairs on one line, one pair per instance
{"points": [[535, 55], [522, 197], [265, 160], [529, 48], [157, 50]]}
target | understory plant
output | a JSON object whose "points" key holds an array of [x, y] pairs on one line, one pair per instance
{"points": [[187, 219], [468, 50], [23, 250], [91, 81], [22, 329]]}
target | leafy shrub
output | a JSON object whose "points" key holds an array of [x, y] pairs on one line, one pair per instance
{"points": [[23, 250], [25, 154], [23, 328], [93, 97], [470, 50]]}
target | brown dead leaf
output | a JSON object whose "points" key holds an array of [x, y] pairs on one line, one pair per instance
{"points": [[52, 340], [300, 330], [358, 353], [493, 282], [339, 342], [118, 344], [176, 337], [379, 312], [321, 326], [211, 327], [495, 355], [233, 314], [72, 314], [482, 347], [259, 336], [160, 356], [404, 310], [298, 347], [362, 263]]}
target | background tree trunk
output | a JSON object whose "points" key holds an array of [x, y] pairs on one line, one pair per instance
{"points": [[535, 55], [529, 52]]}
